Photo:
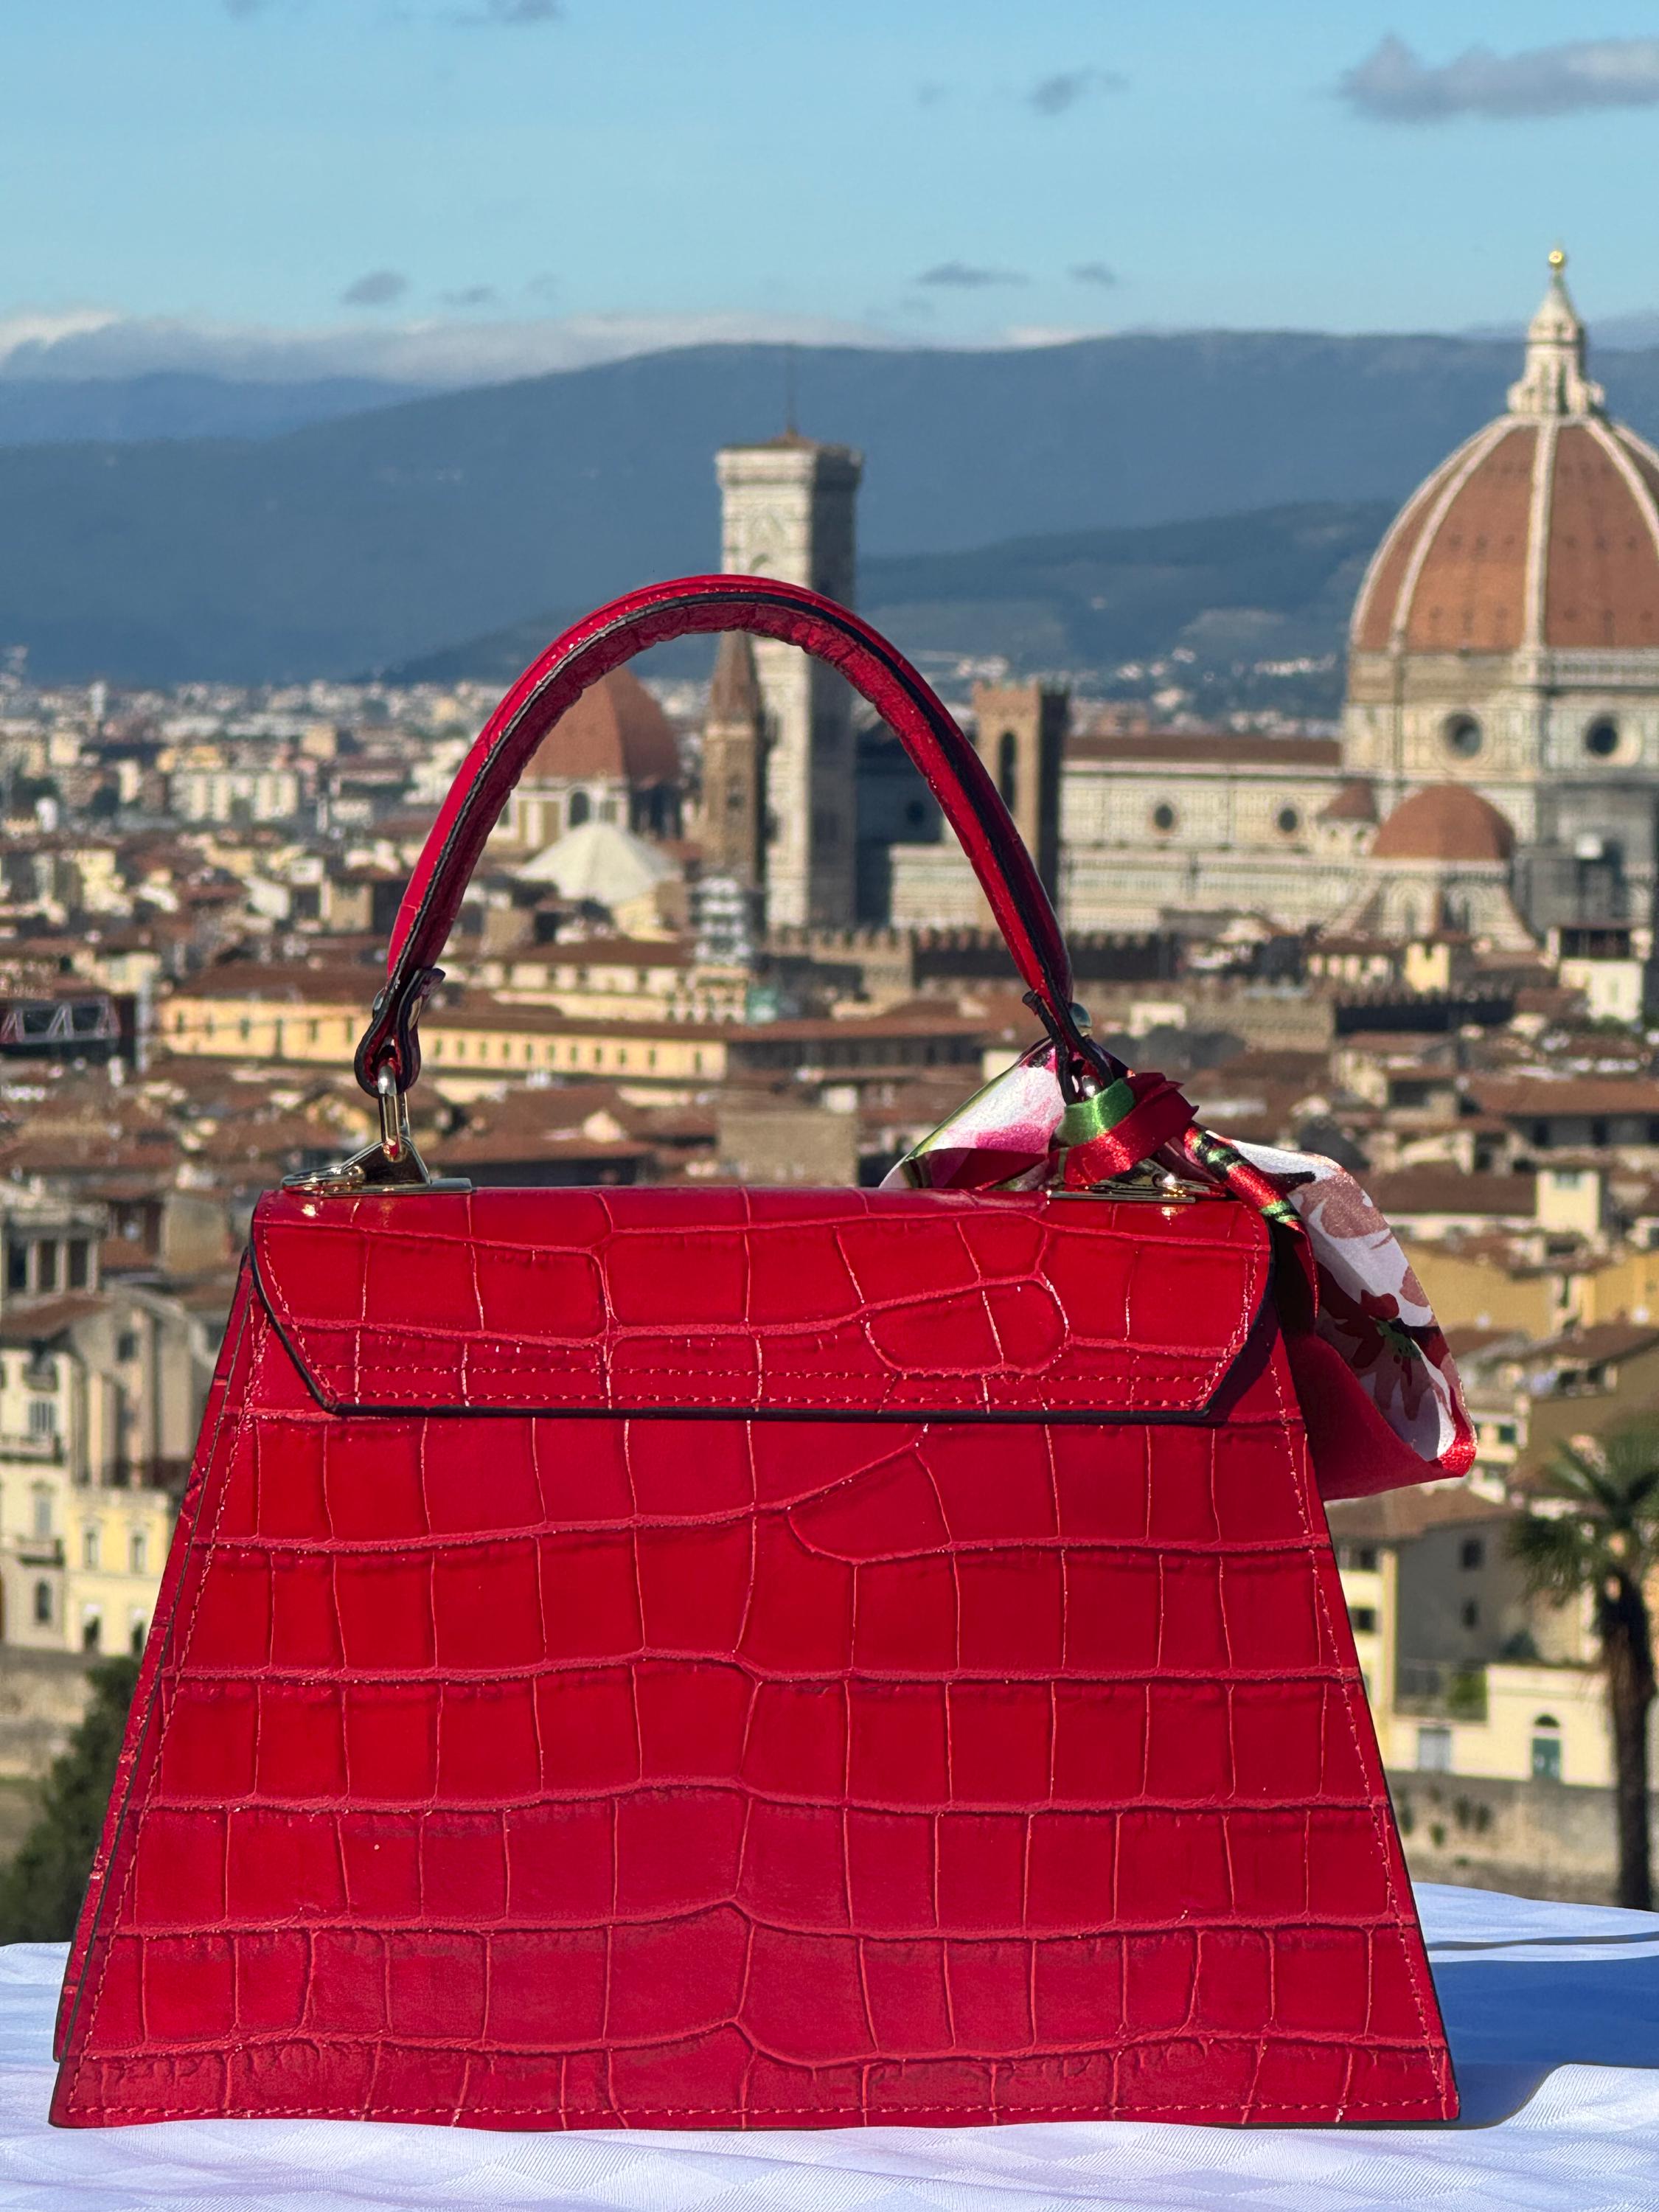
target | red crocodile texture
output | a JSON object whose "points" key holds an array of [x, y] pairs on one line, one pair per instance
{"points": [[563, 1770], [766, 1300]]}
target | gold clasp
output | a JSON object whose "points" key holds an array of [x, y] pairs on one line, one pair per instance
{"points": [[390, 1165]]}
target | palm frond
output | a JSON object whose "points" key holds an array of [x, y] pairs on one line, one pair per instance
{"points": [[1557, 1554]]}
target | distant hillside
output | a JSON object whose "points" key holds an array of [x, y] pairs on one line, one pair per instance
{"points": [[1280, 582], [374, 539], [61, 410]]}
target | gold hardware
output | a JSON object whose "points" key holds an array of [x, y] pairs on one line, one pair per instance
{"points": [[390, 1165]]}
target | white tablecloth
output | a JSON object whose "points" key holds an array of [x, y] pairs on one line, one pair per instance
{"points": [[1553, 2010]]}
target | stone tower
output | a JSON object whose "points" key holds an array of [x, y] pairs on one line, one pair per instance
{"points": [[734, 768], [787, 510], [1020, 735]]}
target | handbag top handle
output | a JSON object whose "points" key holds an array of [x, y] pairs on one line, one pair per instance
{"points": [[388, 1057]]}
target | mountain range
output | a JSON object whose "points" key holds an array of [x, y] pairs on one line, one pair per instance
{"points": [[1278, 582], [382, 536]]}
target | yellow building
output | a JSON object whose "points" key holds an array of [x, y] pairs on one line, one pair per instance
{"points": [[1464, 1672]]}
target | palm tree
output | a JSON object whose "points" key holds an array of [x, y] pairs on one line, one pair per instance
{"points": [[1595, 1528]]}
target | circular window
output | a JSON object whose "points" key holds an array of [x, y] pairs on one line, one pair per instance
{"points": [[1289, 821], [1601, 739], [1164, 816], [1463, 737]]}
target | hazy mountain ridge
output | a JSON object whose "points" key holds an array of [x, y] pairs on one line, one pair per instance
{"points": [[377, 538], [1279, 581], [177, 403]]}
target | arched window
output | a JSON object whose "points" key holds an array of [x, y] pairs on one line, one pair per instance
{"points": [[138, 1554], [89, 1544], [43, 1604], [579, 810], [1008, 769]]}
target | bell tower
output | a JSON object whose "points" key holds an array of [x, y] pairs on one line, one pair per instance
{"points": [[788, 510], [734, 768]]}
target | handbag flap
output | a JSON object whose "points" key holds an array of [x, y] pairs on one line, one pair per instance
{"points": [[745, 1301]]}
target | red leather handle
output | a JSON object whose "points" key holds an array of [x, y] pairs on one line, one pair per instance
{"points": [[953, 771]]}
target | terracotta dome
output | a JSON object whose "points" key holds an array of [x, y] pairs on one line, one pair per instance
{"points": [[1542, 530], [1446, 821], [615, 733]]}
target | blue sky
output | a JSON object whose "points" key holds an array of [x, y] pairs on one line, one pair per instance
{"points": [[196, 179]]}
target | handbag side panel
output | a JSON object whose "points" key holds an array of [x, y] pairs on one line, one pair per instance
{"points": [[552, 1771], [224, 1389]]}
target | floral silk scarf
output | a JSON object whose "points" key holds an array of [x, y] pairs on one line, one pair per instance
{"points": [[1379, 1391]]}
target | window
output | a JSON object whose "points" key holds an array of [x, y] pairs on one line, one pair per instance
{"points": [[92, 1629], [1164, 816], [136, 1634], [17, 1267], [1434, 1750], [1463, 737], [43, 1416], [43, 1604], [1362, 1619], [579, 809], [126, 1345], [1008, 769], [80, 1263], [1365, 1558], [1601, 738], [1287, 821], [138, 1552], [40, 1510], [1472, 1614], [1547, 1748], [1472, 1553], [89, 1544], [1507, 1432]]}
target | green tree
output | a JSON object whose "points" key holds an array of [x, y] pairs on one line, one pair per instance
{"points": [[40, 1891], [1595, 1529]]}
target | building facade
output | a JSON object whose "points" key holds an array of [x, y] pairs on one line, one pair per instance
{"points": [[788, 510], [1503, 647]]}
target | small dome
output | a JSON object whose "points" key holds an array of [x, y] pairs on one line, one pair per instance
{"points": [[599, 861], [1446, 821], [1542, 530], [615, 733]]}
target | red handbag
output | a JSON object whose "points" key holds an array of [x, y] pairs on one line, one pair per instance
{"points": [[740, 1658]]}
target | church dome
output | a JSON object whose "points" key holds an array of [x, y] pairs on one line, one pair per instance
{"points": [[615, 733], [1541, 531], [1445, 822]]}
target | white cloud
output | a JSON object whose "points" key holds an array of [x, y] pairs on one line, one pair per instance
{"points": [[1391, 85], [97, 343]]}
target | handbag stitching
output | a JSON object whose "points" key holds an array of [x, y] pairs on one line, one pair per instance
{"points": [[1405, 1911], [229, 1444]]}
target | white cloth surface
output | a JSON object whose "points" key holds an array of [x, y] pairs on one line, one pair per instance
{"points": [[1553, 2011]]}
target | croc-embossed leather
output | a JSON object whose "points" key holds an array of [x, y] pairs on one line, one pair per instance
{"points": [[740, 1659]]}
